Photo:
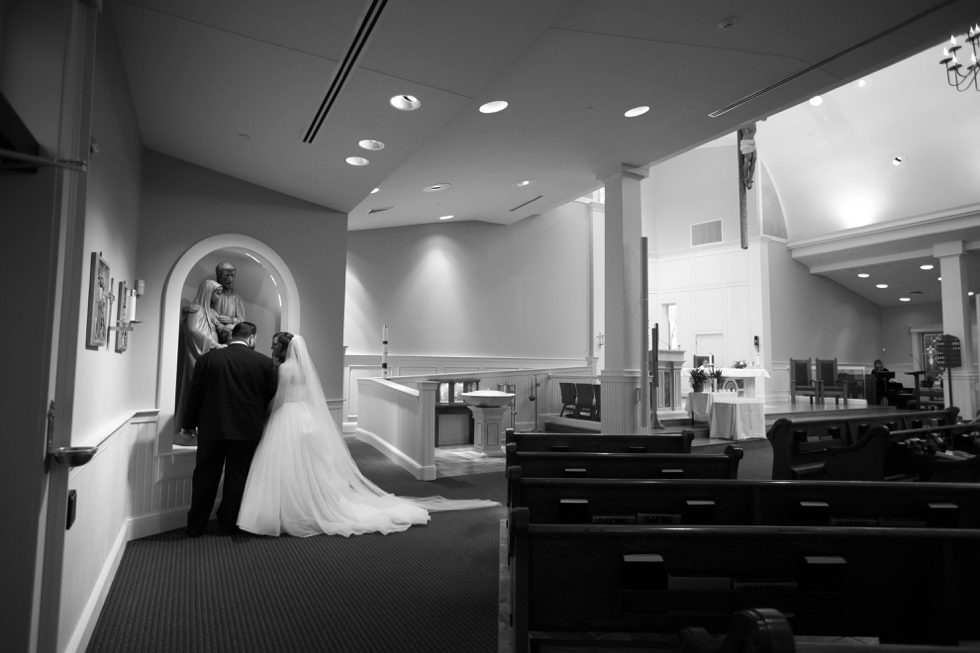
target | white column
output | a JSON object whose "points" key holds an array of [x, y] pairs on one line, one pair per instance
{"points": [[623, 230], [956, 322]]}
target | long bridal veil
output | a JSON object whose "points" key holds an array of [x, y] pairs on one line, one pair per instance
{"points": [[304, 481]]}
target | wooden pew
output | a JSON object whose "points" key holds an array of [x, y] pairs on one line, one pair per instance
{"points": [[730, 503], [795, 444], [898, 583], [547, 464], [765, 629], [679, 442], [879, 456]]}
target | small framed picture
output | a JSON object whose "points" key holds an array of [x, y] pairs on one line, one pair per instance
{"points": [[122, 335], [99, 289]]}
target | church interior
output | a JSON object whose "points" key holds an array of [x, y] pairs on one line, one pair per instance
{"points": [[536, 201]]}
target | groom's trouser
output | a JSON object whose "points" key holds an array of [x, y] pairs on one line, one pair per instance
{"points": [[235, 457]]}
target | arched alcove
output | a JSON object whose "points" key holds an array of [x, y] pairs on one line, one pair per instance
{"points": [[263, 280]]}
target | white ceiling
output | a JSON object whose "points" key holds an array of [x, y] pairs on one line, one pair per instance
{"points": [[203, 74]]}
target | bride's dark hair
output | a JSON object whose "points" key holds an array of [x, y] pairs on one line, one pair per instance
{"points": [[282, 339]]}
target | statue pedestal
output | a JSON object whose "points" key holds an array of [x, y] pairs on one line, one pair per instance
{"points": [[488, 429]]}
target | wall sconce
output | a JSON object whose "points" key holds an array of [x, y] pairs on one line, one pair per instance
{"points": [[602, 339], [126, 316]]}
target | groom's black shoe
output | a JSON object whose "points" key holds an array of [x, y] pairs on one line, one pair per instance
{"points": [[190, 532], [232, 530]]}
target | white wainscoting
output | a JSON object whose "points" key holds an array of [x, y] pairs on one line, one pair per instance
{"points": [[364, 366], [399, 421]]}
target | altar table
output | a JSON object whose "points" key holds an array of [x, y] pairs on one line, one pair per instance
{"points": [[728, 415], [750, 378]]}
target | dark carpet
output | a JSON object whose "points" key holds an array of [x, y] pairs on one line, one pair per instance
{"points": [[431, 588]]}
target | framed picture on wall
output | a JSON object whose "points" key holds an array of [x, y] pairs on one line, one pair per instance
{"points": [[122, 335], [97, 326]]}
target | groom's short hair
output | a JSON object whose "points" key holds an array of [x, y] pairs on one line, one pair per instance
{"points": [[244, 330]]}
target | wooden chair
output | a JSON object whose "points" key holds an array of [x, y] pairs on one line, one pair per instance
{"points": [[800, 381], [567, 397], [585, 399], [829, 382]]}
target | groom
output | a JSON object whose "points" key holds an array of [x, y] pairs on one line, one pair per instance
{"points": [[226, 402]]}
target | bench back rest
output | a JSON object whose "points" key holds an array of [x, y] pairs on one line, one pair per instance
{"points": [[725, 502], [540, 464], [894, 582], [576, 442]]}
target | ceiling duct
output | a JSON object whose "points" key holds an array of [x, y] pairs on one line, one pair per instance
{"points": [[381, 209], [521, 206], [347, 65], [785, 80]]}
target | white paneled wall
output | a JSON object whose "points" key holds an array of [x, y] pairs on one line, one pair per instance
{"points": [[710, 286]]}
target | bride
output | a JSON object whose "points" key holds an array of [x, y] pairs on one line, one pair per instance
{"points": [[303, 480]]}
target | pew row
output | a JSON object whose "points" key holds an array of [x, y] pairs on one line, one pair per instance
{"points": [[548, 464], [679, 442], [730, 503], [885, 455], [897, 583], [800, 443]]}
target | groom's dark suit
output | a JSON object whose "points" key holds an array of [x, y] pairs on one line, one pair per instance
{"points": [[226, 402]]}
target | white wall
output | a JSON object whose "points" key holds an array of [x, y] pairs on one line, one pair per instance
{"points": [[814, 317], [710, 286], [472, 288], [184, 204], [109, 386]]}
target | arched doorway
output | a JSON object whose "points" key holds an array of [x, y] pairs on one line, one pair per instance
{"points": [[263, 280]]}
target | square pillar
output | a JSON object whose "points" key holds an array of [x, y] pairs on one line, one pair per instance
{"points": [[956, 322]]}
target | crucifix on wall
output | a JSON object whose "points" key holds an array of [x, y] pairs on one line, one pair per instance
{"points": [[746, 171]]}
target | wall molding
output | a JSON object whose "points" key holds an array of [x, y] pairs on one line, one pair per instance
{"points": [[93, 608]]}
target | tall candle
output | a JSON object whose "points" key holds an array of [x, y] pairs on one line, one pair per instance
{"points": [[384, 352], [131, 306]]}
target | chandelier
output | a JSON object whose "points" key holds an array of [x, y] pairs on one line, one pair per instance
{"points": [[954, 75]]}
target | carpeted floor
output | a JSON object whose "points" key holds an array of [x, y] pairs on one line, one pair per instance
{"points": [[431, 588]]}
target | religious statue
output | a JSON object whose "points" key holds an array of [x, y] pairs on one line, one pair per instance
{"points": [[746, 146], [198, 335], [228, 306]]}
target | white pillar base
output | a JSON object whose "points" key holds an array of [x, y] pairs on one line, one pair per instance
{"points": [[964, 393], [620, 403]]}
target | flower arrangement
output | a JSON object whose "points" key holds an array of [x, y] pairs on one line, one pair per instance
{"points": [[740, 365], [699, 375]]}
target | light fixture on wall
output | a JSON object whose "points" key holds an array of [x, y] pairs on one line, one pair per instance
{"points": [[954, 75]]}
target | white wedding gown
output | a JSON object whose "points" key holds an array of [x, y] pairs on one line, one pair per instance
{"points": [[303, 480]]}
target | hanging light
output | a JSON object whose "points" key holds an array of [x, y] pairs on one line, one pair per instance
{"points": [[954, 69]]}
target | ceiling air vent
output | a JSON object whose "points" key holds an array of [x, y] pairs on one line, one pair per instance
{"points": [[380, 209], [706, 232], [521, 206]]}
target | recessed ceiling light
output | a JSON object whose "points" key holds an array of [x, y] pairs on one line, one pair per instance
{"points": [[405, 102], [435, 188], [926, 267], [939, 278], [882, 285], [447, 217], [375, 191], [523, 183], [862, 83], [864, 275], [371, 144], [493, 107], [636, 111], [904, 299], [897, 159], [357, 161], [816, 100]]}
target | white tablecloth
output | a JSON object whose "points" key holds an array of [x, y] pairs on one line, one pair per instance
{"points": [[728, 415]]}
